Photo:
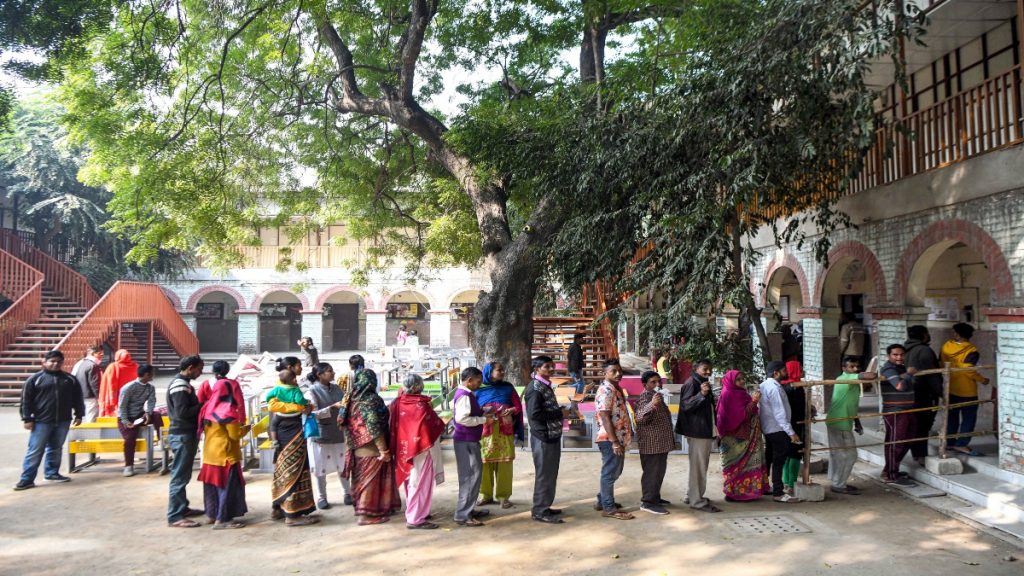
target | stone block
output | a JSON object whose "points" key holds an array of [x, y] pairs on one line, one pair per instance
{"points": [[809, 492], [943, 466]]}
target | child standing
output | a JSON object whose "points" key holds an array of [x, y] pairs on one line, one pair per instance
{"points": [[470, 419]]}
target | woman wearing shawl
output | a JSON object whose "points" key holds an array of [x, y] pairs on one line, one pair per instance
{"points": [[364, 417], [497, 446], [222, 420], [120, 372], [742, 444], [415, 429], [292, 489], [797, 406]]}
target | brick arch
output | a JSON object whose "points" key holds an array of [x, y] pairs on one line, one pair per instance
{"points": [[175, 301], [857, 251], [318, 305], [970, 235], [471, 288], [787, 261], [198, 295], [279, 288], [386, 295]]}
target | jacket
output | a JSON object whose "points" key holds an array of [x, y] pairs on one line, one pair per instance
{"points": [[51, 397], [927, 389], [87, 372], [543, 412], [696, 417], [962, 355], [575, 360], [182, 407]]}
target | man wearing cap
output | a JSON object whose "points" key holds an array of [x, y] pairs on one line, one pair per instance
{"points": [[778, 432]]}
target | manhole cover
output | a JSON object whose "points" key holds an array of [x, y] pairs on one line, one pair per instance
{"points": [[753, 525]]}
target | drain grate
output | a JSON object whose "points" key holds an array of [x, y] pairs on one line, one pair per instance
{"points": [[754, 525]]}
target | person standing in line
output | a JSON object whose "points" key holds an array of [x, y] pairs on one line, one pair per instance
{"points": [[777, 428], [118, 373], [614, 435], [664, 365], [291, 492], [851, 338], [575, 363], [739, 427], [415, 430], [224, 424], [842, 444], [135, 408], [655, 438], [470, 420], [326, 453], [545, 417], [897, 389], [696, 422], [958, 352], [796, 396], [927, 388], [183, 438], [498, 444], [48, 399], [88, 372]]}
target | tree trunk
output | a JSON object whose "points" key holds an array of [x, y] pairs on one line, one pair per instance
{"points": [[750, 314]]}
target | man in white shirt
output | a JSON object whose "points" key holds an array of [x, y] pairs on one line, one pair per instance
{"points": [[778, 432]]}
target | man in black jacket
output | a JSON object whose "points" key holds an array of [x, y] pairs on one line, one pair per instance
{"points": [[544, 416], [927, 389], [696, 421], [575, 363], [183, 438], [47, 401]]}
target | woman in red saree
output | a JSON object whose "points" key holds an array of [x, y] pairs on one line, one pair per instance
{"points": [[368, 464], [120, 372], [743, 468], [415, 430]]}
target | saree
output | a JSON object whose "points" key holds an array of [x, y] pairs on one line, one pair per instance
{"points": [[365, 418], [222, 420], [498, 441], [291, 490], [743, 468]]}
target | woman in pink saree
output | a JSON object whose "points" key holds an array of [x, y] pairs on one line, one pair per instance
{"points": [[743, 468]]}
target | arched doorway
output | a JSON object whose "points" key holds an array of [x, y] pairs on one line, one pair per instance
{"points": [[462, 317], [217, 322], [344, 319], [280, 321], [853, 281], [783, 297], [411, 309]]}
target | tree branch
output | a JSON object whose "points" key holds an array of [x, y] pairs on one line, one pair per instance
{"points": [[423, 12]]}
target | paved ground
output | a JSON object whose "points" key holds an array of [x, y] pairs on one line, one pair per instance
{"points": [[104, 523]]}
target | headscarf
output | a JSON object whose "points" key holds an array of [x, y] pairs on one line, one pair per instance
{"points": [[503, 395], [364, 416], [120, 372], [226, 404], [415, 427], [793, 371], [732, 406]]}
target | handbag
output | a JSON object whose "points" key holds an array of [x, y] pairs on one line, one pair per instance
{"points": [[310, 427]]}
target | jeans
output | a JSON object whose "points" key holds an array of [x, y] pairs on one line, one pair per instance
{"points": [[46, 438], [577, 378], [183, 447], [961, 421], [611, 469]]}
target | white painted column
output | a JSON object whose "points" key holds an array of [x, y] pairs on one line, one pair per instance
{"points": [[248, 331], [814, 348], [1009, 360], [376, 330], [313, 326], [440, 328]]}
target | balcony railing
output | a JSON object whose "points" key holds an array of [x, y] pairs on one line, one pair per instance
{"points": [[981, 119]]}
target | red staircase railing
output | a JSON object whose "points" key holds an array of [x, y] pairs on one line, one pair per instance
{"points": [[604, 325], [24, 285], [57, 276], [129, 303]]}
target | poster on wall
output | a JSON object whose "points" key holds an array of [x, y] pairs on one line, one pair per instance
{"points": [[210, 311], [943, 308], [410, 310]]}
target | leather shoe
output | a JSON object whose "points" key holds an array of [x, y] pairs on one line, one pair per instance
{"points": [[548, 519], [479, 513], [553, 511]]}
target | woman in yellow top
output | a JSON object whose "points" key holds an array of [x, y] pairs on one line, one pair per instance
{"points": [[963, 386], [223, 423]]}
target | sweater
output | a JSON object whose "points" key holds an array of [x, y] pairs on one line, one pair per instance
{"points": [[962, 355], [182, 407], [542, 411], [51, 397], [897, 388], [696, 417], [464, 430]]}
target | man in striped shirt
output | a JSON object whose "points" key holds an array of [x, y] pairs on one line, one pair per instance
{"points": [[897, 389], [135, 411]]}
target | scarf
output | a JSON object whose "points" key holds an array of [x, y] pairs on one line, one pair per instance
{"points": [[793, 372], [503, 395], [226, 404], [415, 427], [120, 372], [364, 401], [732, 406]]}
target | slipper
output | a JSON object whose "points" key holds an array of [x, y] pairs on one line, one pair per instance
{"points": [[304, 521], [506, 504], [711, 508], [422, 526], [968, 451], [485, 501], [470, 523], [618, 515], [229, 525], [184, 523], [370, 520]]}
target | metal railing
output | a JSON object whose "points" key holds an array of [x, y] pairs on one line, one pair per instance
{"points": [[24, 285], [129, 303], [57, 276]]}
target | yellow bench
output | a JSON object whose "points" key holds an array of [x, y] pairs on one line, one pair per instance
{"points": [[103, 437]]}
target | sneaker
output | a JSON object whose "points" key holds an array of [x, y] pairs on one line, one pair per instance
{"points": [[348, 500], [787, 499], [57, 478], [846, 490], [129, 471], [323, 504], [904, 481], [788, 490], [654, 509], [24, 485]]}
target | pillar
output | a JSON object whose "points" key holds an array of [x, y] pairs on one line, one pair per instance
{"points": [[814, 345], [313, 326], [376, 330], [440, 328], [248, 331], [1009, 324]]}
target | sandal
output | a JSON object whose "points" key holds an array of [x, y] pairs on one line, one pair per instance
{"points": [[711, 508], [184, 523], [470, 523], [304, 521], [422, 526], [618, 515], [277, 514], [229, 525], [485, 501], [370, 520], [506, 504]]}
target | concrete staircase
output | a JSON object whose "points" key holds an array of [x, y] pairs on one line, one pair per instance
{"points": [[24, 357]]}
